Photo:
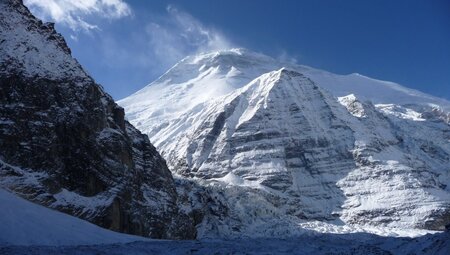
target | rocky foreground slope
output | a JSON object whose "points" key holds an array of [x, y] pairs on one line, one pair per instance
{"points": [[64, 143], [266, 150]]}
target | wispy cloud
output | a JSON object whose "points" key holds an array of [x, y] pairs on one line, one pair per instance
{"points": [[179, 34], [160, 41], [286, 57], [74, 13]]}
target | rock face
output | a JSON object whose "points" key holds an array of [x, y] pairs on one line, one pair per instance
{"points": [[267, 153], [64, 143]]}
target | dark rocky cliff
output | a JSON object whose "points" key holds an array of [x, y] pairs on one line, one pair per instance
{"points": [[64, 143]]}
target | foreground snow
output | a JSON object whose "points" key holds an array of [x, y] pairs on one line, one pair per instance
{"points": [[358, 243], [26, 223]]}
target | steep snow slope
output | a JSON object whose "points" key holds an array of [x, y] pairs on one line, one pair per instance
{"points": [[277, 152], [64, 142], [25, 223]]}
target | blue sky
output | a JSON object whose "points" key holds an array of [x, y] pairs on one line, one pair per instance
{"points": [[125, 45]]}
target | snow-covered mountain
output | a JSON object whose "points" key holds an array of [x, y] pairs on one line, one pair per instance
{"points": [[265, 148], [64, 142], [259, 148]]}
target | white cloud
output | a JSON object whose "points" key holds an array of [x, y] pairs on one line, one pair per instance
{"points": [[180, 34], [73, 13]]}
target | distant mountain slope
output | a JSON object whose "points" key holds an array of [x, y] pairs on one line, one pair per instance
{"points": [[267, 149], [376, 91], [64, 143]]}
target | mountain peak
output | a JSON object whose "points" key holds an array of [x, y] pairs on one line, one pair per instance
{"points": [[230, 52], [237, 57], [286, 71]]}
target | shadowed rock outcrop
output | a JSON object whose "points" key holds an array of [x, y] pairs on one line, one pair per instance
{"points": [[64, 142]]}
